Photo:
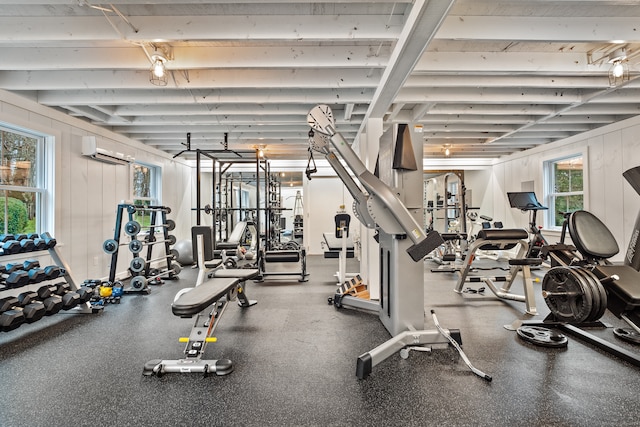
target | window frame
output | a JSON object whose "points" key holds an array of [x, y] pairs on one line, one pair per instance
{"points": [[155, 190], [549, 180], [43, 187]]}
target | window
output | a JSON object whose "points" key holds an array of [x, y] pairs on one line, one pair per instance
{"points": [[22, 181], [146, 190], [565, 187]]}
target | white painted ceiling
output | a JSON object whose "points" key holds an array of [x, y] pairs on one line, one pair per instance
{"points": [[485, 77]]}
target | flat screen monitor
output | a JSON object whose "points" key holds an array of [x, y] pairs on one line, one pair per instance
{"points": [[525, 200]]}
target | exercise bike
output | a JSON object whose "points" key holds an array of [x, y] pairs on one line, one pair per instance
{"points": [[526, 201]]}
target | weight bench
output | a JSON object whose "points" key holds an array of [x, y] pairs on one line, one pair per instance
{"points": [[503, 239], [334, 246], [207, 301], [595, 243], [283, 256]]}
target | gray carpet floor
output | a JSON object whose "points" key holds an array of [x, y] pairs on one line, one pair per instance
{"points": [[295, 362]]}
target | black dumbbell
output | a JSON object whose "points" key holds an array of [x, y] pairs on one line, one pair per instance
{"points": [[36, 274], [39, 244], [26, 245], [10, 247], [14, 276], [69, 299], [52, 303], [4, 238], [14, 314], [50, 242], [53, 272]]}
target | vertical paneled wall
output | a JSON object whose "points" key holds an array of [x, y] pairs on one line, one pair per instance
{"points": [[86, 192], [609, 150]]}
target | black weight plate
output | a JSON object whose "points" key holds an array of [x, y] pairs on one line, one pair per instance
{"points": [[574, 307], [627, 334], [597, 292], [543, 337]]}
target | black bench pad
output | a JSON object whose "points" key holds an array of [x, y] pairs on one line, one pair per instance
{"points": [[503, 234], [201, 297], [628, 286], [238, 273]]}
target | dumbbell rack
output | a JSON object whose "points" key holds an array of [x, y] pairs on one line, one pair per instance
{"points": [[132, 229], [84, 307]]}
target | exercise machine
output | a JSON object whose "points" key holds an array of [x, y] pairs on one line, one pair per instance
{"points": [[377, 205], [578, 293], [339, 244], [503, 239], [207, 301], [526, 201]]}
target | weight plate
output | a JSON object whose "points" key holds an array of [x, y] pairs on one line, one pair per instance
{"points": [[542, 336], [627, 334], [597, 292], [570, 297], [138, 282], [176, 268], [110, 246], [132, 228], [135, 246], [171, 224], [131, 209], [137, 264]]}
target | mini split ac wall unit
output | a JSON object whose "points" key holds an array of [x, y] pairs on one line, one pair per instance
{"points": [[105, 151]]}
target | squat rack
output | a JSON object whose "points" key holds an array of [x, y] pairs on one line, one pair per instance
{"points": [[222, 160]]}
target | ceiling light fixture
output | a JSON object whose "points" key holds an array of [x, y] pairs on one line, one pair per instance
{"points": [[158, 72], [447, 151], [619, 71]]}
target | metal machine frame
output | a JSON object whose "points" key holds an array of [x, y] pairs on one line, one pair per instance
{"points": [[377, 205]]}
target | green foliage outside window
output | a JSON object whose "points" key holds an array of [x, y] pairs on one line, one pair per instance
{"points": [[568, 187], [18, 168], [17, 214]]}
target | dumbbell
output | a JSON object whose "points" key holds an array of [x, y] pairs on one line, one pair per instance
{"points": [[4, 238], [52, 303], [10, 247], [49, 241], [69, 299], [14, 276], [36, 274], [14, 314]]}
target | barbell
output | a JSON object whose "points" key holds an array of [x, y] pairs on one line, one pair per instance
{"points": [[133, 209], [139, 282], [132, 227], [136, 246], [138, 264]]}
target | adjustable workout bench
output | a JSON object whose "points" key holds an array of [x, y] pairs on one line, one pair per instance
{"points": [[503, 239], [214, 293]]}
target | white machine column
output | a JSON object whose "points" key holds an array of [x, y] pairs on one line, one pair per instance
{"points": [[402, 298], [369, 262]]}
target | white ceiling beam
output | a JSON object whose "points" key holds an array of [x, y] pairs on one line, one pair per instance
{"points": [[531, 81], [134, 58], [173, 96], [259, 110], [178, 128], [198, 79], [217, 119], [490, 95], [421, 24], [505, 63], [206, 27], [540, 28]]}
